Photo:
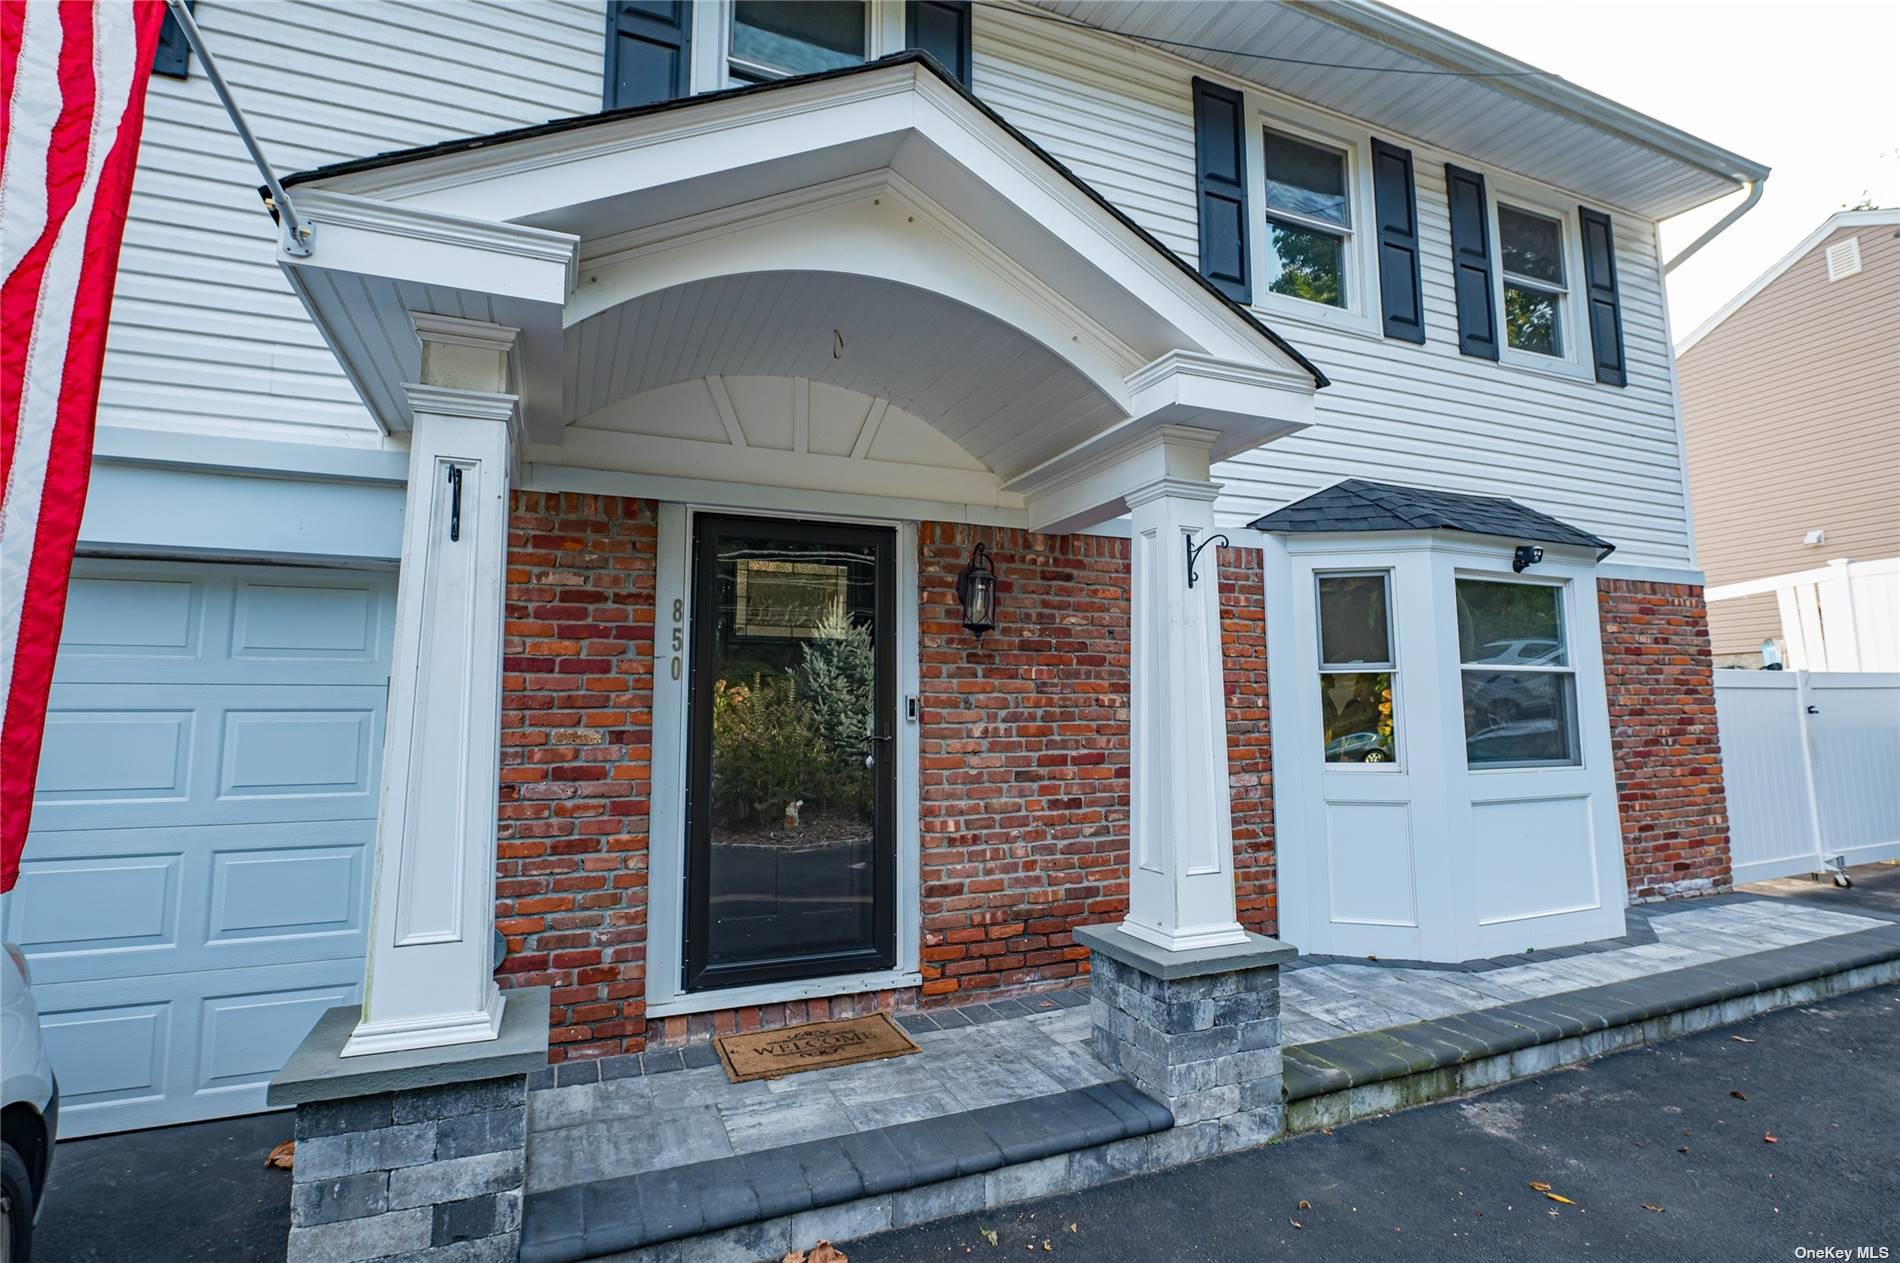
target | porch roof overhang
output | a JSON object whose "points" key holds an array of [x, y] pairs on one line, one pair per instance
{"points": [[878, 229]]}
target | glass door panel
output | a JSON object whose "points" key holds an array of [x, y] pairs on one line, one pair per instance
{"points": [[791, 790]]}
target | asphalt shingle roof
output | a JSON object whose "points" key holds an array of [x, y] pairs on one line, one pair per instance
{"points": [[1358, 505]]}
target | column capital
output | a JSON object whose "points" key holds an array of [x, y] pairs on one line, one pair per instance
{"points": [[466, 354], [1172, 488]]}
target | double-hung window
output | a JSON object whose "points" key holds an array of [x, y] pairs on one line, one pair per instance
{"points": [[1520, 690], [1531, 258], [772, 39], [1357, 668], [1309, 219]]}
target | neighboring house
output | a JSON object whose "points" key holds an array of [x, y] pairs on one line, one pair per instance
{"points": [[1791, 410], [690, 428]]}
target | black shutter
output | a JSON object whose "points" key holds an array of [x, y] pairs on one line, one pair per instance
{"points": [[1471, 263], [173, 55], [1606, 313], [649, 52], [1220, 181], [1395, 202], [942, 29]]}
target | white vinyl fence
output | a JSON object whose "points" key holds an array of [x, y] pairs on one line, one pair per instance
{"points": [[1811, 763]]}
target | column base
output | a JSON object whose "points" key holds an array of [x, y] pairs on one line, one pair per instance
{"points": [[1197, 1030], [435, 1032], [1229, 935], [420, 1154]]}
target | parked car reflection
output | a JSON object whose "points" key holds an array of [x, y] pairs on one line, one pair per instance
{"points": [[1358, 747]]}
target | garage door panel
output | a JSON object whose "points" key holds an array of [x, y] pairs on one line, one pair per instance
{"points": [[195, 889], [298, 753], [181, 1047], [338, 622], [125, 613], [91, 756], [88, 907], [96, 905], [106, 1053], [290, 893]]}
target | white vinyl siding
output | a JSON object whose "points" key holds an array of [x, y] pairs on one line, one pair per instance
{"points": [[207, 336], [1603, 458]]}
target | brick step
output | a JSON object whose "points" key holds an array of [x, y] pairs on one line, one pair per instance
{"points": [[762, 1204], [1376, 1072]]}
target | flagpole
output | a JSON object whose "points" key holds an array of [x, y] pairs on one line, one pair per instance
{"points": [[296, 232]]}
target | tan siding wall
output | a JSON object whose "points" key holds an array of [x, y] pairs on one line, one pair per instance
{"points": [[1792, 413]]}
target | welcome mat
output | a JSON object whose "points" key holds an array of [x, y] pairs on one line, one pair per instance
{"points": [[814, 1046]]}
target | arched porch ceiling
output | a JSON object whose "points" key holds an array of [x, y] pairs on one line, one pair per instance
{"points": [[974, 282], [1002, 396]]}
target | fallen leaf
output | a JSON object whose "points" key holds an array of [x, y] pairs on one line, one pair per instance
{"points": [[793, 1256], [825, 1252], [1559, 1197], [1652, 1206], [283, 1156], [1305, 1205], [1296, 1223], [1682, 1148], [1770, 1138], [1046, 1246], [1737, 1095], [1325, 1131], [1071, 1227], [1741, 1039], [989, 1234], [1540, 1186]]}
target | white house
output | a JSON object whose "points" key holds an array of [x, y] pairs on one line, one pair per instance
{"points": [[565, 538]]}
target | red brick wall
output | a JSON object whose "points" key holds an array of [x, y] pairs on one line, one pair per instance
{"points": [[577, 698], [1025, 756], [1656, 670], [1024, 745]]}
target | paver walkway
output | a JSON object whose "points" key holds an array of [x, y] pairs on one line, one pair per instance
{"points": [[645, 1116]]}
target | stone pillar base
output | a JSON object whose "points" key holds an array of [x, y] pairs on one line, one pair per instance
{"points": [[420, 1155], [1199, 1031]]}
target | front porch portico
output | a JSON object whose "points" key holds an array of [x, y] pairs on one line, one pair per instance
{"points": [[860, 297]]}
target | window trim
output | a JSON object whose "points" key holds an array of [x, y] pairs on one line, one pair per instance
{"points": [[1562, 589], [1569, 362], [1390, 667], [713, 21], [1359, 253]]}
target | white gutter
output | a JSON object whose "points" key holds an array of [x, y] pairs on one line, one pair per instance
{"points": [[1435, 45], [1719, 227]]}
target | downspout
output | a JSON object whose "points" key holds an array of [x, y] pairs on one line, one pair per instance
{"points": [[1719, 227]]}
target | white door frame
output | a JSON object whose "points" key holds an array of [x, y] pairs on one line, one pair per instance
{"points": [[666, 819]]}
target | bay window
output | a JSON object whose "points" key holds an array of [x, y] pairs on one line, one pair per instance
{"points": [[1520, 689], [1357, 667]]}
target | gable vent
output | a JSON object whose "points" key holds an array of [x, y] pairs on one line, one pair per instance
{"points": [[1843, 258]]}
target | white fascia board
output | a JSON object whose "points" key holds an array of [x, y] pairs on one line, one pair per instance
{"points": [[401, 243], [1833, 223], [1225, 408]]}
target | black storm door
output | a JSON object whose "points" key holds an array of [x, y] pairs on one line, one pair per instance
{"points": [[791, 779]]}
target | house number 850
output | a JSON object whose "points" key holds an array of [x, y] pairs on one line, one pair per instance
{"points": [[679, 634]]}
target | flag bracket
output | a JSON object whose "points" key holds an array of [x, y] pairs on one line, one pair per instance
{"points": [[296, 235]]}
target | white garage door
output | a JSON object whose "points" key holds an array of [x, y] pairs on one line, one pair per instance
{"points": [[195, 886]]}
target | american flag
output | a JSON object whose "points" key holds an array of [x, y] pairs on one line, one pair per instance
{"points": [[73, 74]]}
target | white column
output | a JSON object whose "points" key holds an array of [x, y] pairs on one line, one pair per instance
{"points": [[1181, 839], [430, 976]]}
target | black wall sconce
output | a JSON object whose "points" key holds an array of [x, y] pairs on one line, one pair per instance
{"points": [[1526, 556], [1194, 551], [976, 591]]}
